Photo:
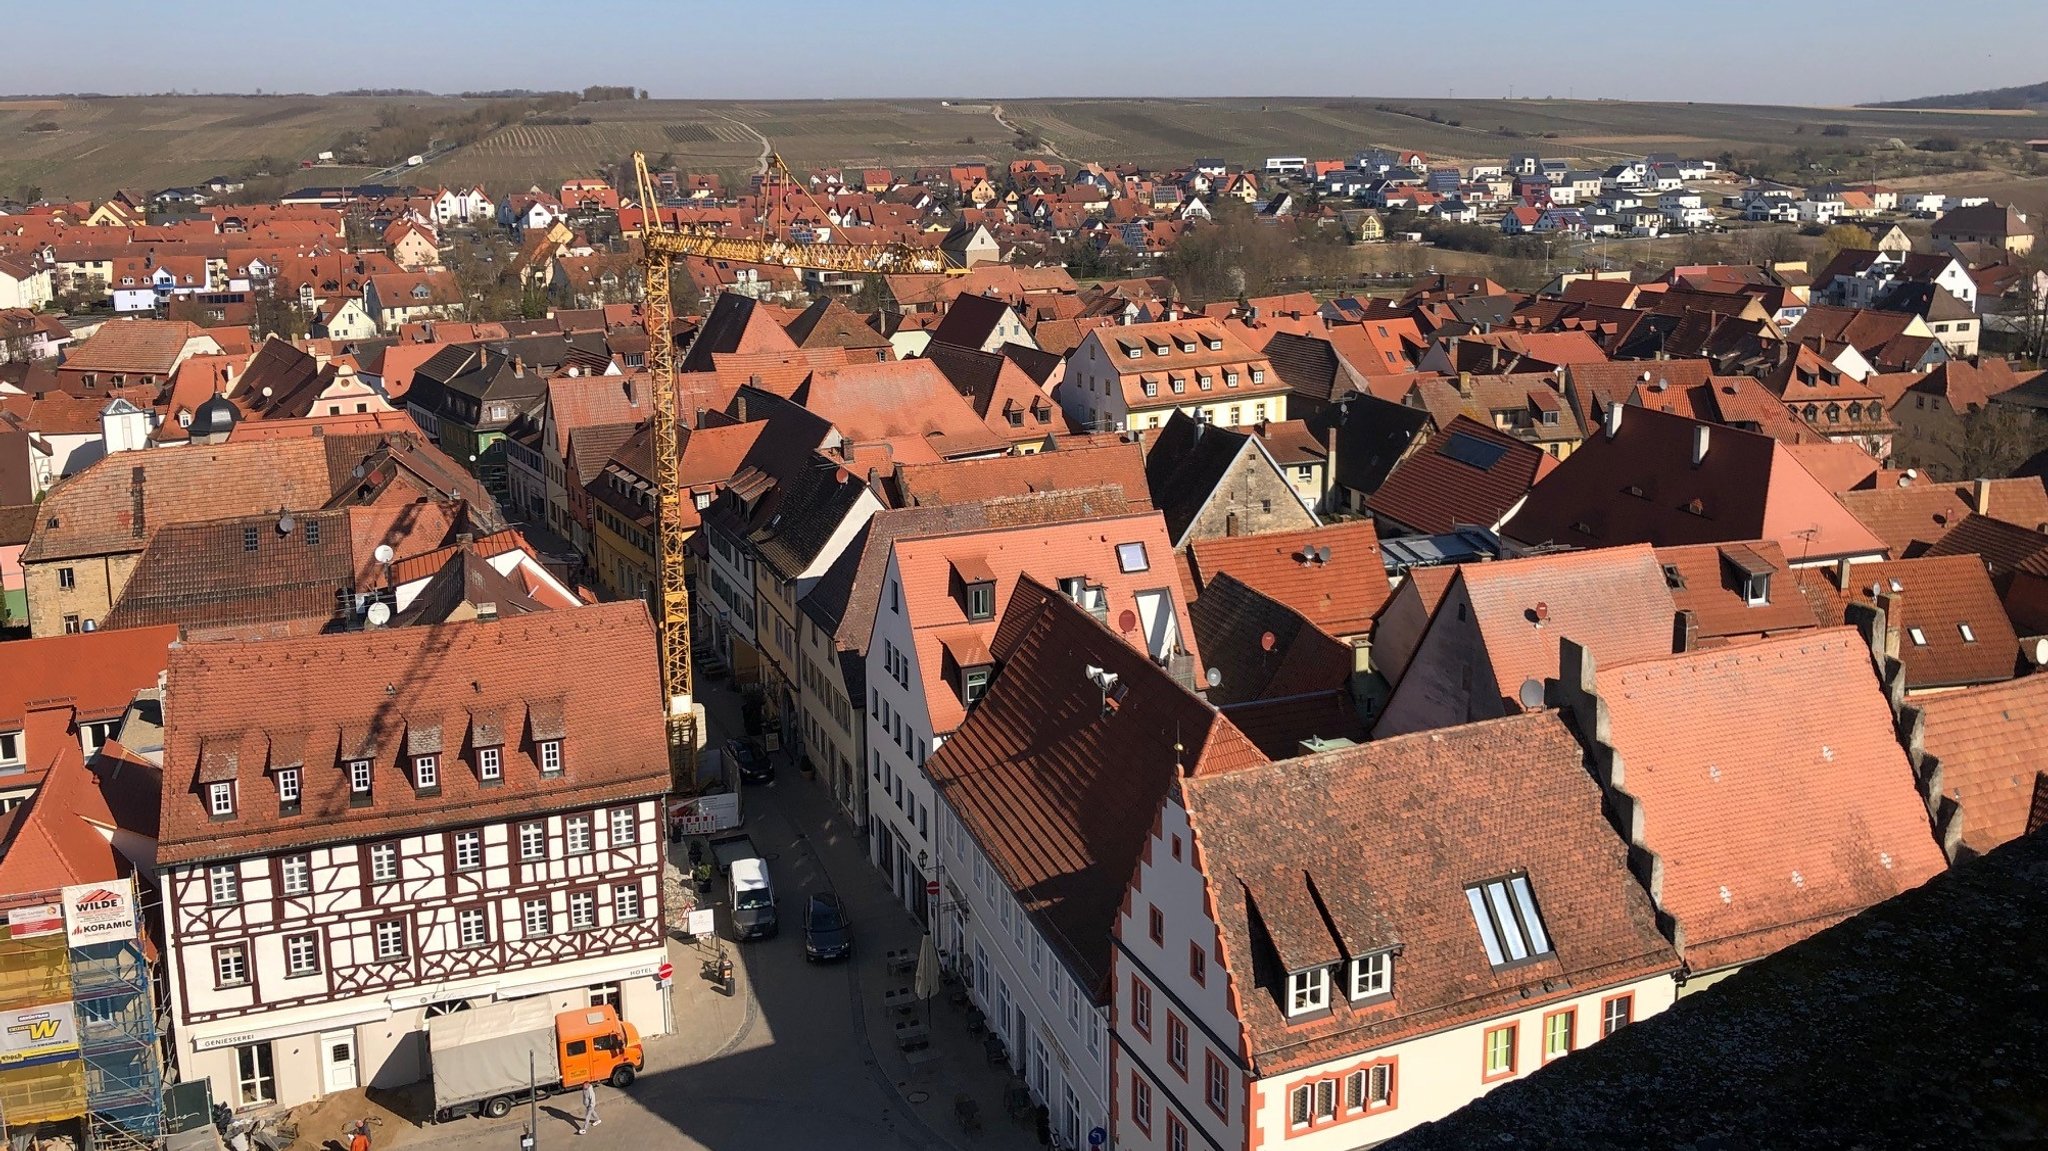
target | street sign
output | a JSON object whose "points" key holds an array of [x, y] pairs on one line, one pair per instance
{"points": [[703, 921], [931, 887], [665, 972], [1097, 1136]]}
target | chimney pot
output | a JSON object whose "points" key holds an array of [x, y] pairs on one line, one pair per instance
{"points": [[1700, 436], [1613, 419], [1980, 497]]}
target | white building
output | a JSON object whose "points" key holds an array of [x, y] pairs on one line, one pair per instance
{"points": [[367, 830], [1327, 951], [928, 659]]}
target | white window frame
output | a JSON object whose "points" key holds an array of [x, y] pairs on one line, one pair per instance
{"points": [[301, 962], [224, 884], [1372, 975], [469, 850], [538, 918], [231, 966], [624, 826], [472, 927], [533, 841], [551, 757], [577, 833], [390, 944], [489, 765], [582, 910], [381, 854], [426, 771], [288, 789], [625, 904], [255, 1074], [1308, 991], [220, 799], [295, 874], [359, 777]]}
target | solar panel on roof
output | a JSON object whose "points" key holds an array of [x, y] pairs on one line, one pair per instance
{"points": [[1481, 454]]}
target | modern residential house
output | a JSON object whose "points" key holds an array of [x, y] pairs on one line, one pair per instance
{"points": [[364, 831]]}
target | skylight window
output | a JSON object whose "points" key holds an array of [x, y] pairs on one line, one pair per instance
{"points": [[1131, 557], [1509, 925], [1968, 635], [1919, 637]]}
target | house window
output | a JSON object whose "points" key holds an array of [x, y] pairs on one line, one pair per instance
{"points": [[1141, 1102], [1756, 589], [390, 936], [255, 1075], [426, 772], [973, 684], [220, 799], [1372, 975], [1258, 375], [1198, 964], [624, 826], [1559, 1030], [295, 874], [359, 777], [1919, 637], [223, 884], [383, 863], [1131, 557], [469, 850], [231, 965], [533, 841], [582, 910], [1176, 1133], [576, 832], [1616, 1013], [10, 747], [1141, 1007], [67, 579], [488, 766], [249, 538], [301, 954], [551, 757], [1968, 635], [472, 928], [288, 787], [534, 912], [1500, 1052], [981, 601], [1230, 379], [1218, 1085], [71, 625], [1369, 1089], [1177, 1044], [312, 533], [1308, 990], [1509, 925], [625, 904]]}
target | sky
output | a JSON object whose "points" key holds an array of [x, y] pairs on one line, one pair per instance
{"points": [[1741, 51]]}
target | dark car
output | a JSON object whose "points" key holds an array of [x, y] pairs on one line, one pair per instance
{"points": [[826, 932], [752, 762]]}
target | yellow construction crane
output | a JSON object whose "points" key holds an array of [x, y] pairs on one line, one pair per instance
{"points": [[661, 245]]}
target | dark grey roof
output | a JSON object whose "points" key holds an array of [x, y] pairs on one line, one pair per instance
{"points": [[1309, 366], [1372, 436], [216, 417], [1184, 465], [1037, 364], [1918, 1023], [971, 372], [969, 321], [722, 332], [807, 510]]}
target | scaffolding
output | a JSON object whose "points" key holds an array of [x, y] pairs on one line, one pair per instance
{"points": [[111, 1082]]}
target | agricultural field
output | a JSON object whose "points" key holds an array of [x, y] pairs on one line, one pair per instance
{"points": [[89, 147], [99, 144]]}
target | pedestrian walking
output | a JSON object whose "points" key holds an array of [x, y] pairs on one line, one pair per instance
{"points": [[359, 1138], [590, 1118]]}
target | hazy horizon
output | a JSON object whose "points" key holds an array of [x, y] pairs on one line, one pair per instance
{"points": [[1747, 52]]}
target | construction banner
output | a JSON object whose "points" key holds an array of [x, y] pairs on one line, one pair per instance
{"points": [[38, 1034], [35, 919], [99, 913]]}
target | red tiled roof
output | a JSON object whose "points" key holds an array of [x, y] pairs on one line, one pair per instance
{"points": [[1339, 595], [54, 839], [1355, 851], [147, 347], [899, 401], [1989, 740], [1933, 598], [1059, 790], [1708, 585], [586, 677], [1773, 817], [97, 673], [970, 481], [1440, 487]]}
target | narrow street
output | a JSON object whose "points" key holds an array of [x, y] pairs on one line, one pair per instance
{"points": [[801, 1054]]}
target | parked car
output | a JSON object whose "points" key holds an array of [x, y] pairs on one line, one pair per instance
{"points": [[752, 762], [827, 935]]}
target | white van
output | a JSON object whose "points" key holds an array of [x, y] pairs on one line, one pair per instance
{"points": [[751, 896]]}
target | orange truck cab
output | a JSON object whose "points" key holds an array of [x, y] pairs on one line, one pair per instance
{"points": [[595, 1045]]}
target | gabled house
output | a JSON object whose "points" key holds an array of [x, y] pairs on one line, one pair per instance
{"points": [[1946, 626], [1137, 375], [1214, 482], [1468, 474]]}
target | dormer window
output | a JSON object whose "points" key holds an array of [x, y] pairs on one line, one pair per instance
{"points": [[981, 601], [1230, 379], [1180, 386], [489, 767], [426, 772], [1205, 381], [551, 757], [1161, 349], [287, 790], [973, 684], [1215, 344], [1258, 375], [220, 800], [1756, 589], [1308, 991], [1151, 387], [1372, 975], [359, 779], [1134, 353]]}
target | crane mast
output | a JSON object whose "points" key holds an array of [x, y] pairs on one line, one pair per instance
{"points": [[661, 244]]}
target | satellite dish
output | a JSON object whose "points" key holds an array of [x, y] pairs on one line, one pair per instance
{"points": [[1267, 641], [1127, 621], [379, 614], [1531, 694], [2041, 653], [384, 554], [266, 393], [1215, 675], [284, 524]]}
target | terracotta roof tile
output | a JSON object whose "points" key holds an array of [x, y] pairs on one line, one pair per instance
{"points": [[1061, 791], [908, 401], [1705, 580], [1773, 818], [1262, 649], [1988, 740], [148, 347], [1933, 599], [591, 672], [1340, 595], [969, 481], [1467, 473], [1324, 850]]}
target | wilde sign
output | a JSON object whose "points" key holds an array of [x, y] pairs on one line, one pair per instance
{"points": [[99, 913]]}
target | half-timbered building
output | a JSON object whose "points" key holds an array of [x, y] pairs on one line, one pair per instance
{"points": [[362, 831]]}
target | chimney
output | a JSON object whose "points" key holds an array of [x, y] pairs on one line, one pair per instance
{"points": [[1700, 434], [1465, 384], [1842, 575], [1685, 632], [632, 399], [1980, 497], [1329, 461], [1613, 419]]}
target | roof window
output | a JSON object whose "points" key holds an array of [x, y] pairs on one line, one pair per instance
{"points": [[1919, 637], [1131, 557], [1509, 925], [1968, 635]]}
